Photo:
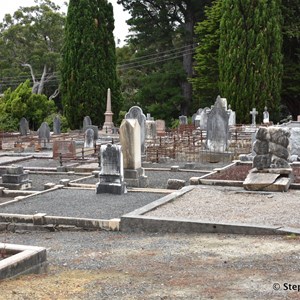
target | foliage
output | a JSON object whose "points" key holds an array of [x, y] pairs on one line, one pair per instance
{"points": [[250, 58], [163, 34], [89, 62], [291, 51], [23, 103], [206, 77], [33, 36]]}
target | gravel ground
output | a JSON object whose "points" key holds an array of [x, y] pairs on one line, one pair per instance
{"points": [[81, 204], [113, 265], [234, 205]]}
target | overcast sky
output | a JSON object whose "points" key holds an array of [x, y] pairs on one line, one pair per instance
{"points": [[121, 28]]}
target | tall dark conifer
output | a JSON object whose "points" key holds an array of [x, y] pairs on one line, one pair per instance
{"points": [[250, 58], [89, 62]]}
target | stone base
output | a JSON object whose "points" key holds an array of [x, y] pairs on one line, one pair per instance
{"points": [[215, 157], [110, 188], [268, 180], [136, 178], [17, 186]]}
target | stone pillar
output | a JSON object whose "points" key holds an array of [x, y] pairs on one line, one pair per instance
{"points": [[130, 139], [108, 123]]}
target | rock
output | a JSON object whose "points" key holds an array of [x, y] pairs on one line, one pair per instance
{"points": [[261, 147], [175, 184], [262, 161], [278, 150], [278, 162], [262, 134]]}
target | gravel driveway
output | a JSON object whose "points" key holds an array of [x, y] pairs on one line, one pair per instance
{"points": [[113, 265]]}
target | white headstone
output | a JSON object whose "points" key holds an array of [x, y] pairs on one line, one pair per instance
{"points": [[89, 138]]}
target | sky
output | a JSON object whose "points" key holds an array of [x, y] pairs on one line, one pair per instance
{"points": [[121, 28]]}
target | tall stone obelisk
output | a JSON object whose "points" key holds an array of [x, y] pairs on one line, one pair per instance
{"points": [[108, 123]]}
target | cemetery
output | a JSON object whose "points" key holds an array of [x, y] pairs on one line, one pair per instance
{"points": [[209, 177]]}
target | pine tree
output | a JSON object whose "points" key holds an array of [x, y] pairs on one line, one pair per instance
{"points": [[206, 78], [89, 62], [250, 58]]}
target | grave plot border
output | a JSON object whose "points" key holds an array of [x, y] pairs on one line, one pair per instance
{"points": [[22, 260], [136, 221]]}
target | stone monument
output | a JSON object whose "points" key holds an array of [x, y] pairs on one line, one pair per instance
{"points": [[134, 174], [111, 171], [108, 123], [254, 113], [56, 125], [136, 112], [271, 170], [217, 128], [86, 122], [89, 138], [24, 127], [266, 117], [44, 134]]}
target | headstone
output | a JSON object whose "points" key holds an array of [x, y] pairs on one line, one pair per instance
{"points": [[44, 133], [217, 128], [222, 101], [149, 118], [56, 125], [203, 118], [95, 130], [183, 120], [15, 178], [89, 138], [64, 148], [266, 119], [108, 123], [24, 127], [136, 112], [86, 122], [160, 126], [111, 174], [197, 121], [254, 114], [150, 130], [232, 116], [130, 136]]}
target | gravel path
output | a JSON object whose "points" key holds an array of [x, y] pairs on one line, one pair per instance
{"points": [[81, 204], [234, 205], [114, 266]]}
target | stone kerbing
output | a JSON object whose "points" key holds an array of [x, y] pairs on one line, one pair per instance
{"points": [[27, 259]]}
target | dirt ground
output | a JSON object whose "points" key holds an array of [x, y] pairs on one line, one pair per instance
{"points": [[113, 265]]}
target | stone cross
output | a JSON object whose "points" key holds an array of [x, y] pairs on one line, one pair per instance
{"points": [[254, 113]]}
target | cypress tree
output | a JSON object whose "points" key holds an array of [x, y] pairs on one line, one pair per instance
{"points": [[89, 62], [250, 58]]}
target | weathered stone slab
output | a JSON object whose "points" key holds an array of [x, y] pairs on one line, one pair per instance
{"points": [[259, 181], [175, 184]]}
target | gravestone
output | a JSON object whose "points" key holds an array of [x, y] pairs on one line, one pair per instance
{"points": [[95, 130], [183, 120], [149, 118], [136, 112], [15, 178], [232, 116], [266, 117], [254, 113], [86, 122], [222, 101], [217, 128], [160, 126], [203, 118], [150, 130], [44, 134], [130, 136], [24, 127], [89, 138], [197, 121], [64, 148], [56, 125], [111, 173]]}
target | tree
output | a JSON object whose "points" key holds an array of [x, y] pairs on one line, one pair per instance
{"points": [[21, 102], [89, 62], [206, 76], [163, 31], [250, 58], [291, 62], [30, 44]]}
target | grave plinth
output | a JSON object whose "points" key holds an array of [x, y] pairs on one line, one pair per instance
{"points": [[15, 179]]}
